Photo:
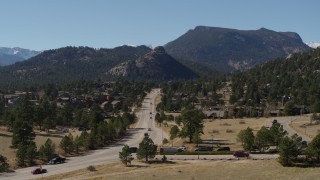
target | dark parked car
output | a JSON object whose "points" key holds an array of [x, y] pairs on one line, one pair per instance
{"points": [[39, 171], [240, 154], [223, 149], [83, 129], [57, 160], [274, 121], [133, 149], [204, 148]]}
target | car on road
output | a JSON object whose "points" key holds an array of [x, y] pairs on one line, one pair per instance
{"points": [[169, 150], [57, 160], [39, 171], [274, 121], [83, 129], [182, 149], [133, 149], [149, 129], [240, 154], [223, 149]]}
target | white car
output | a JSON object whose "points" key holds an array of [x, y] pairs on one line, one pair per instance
{"points": [[182, 148]]}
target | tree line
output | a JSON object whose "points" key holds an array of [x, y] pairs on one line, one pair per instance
{"points": [[281, 82], [289, 147]]}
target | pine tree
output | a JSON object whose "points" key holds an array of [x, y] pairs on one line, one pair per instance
{"points": [[46, 151], [287, 151], [84, 140], [125, 155], [31, 153], [263, 138], [66, 144], [192, 121], [22, 133], [4, 166], [246, 137], [146, 149], [21, 154], [76, 144]]}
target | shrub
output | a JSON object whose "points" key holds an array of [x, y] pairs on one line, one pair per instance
{"points": [[215, 131], [229, 131], [164, 158], [91, 168], [4, 166], [165, 141], [242, 122], [225, 124], [273, 151]]}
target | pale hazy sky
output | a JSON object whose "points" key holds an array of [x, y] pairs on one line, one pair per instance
{"points": [[49, 24]]}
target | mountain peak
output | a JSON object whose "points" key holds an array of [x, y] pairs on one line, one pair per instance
{"points": [[159, 49], [155, 65], [231, 49], [11, 55]]}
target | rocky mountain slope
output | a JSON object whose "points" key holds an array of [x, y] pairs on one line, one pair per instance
{"points": [[230, 49], [155, 65]]}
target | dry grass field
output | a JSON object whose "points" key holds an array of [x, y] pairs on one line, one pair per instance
{"points": [[193, 170], [303, 126], [225, 131]]}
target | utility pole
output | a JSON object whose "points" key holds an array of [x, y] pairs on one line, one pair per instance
{"points": [[212, 140], [198, 145], [161, 132]]}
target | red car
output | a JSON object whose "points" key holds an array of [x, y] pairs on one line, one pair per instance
{"points": [[38, 171], [240, 154]]}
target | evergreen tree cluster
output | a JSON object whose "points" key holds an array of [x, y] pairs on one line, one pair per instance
{"points": [[184, 94], [294, 80]]}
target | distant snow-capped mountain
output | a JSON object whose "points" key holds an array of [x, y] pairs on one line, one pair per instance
{"points": [[313, 44], [11, 55]]}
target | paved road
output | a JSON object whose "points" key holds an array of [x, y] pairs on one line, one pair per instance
{"points": [[109, 154], [286, 126]]}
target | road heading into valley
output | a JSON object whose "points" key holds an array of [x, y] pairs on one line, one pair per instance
{"points": [[110, 154]]}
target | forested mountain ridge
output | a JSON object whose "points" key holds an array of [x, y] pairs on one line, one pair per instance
{"points": [[155, 65], [231, 49], [296, 79], [67, 64]]}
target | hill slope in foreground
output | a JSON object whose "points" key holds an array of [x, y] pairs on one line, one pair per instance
{"points": [[196, 169]]}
